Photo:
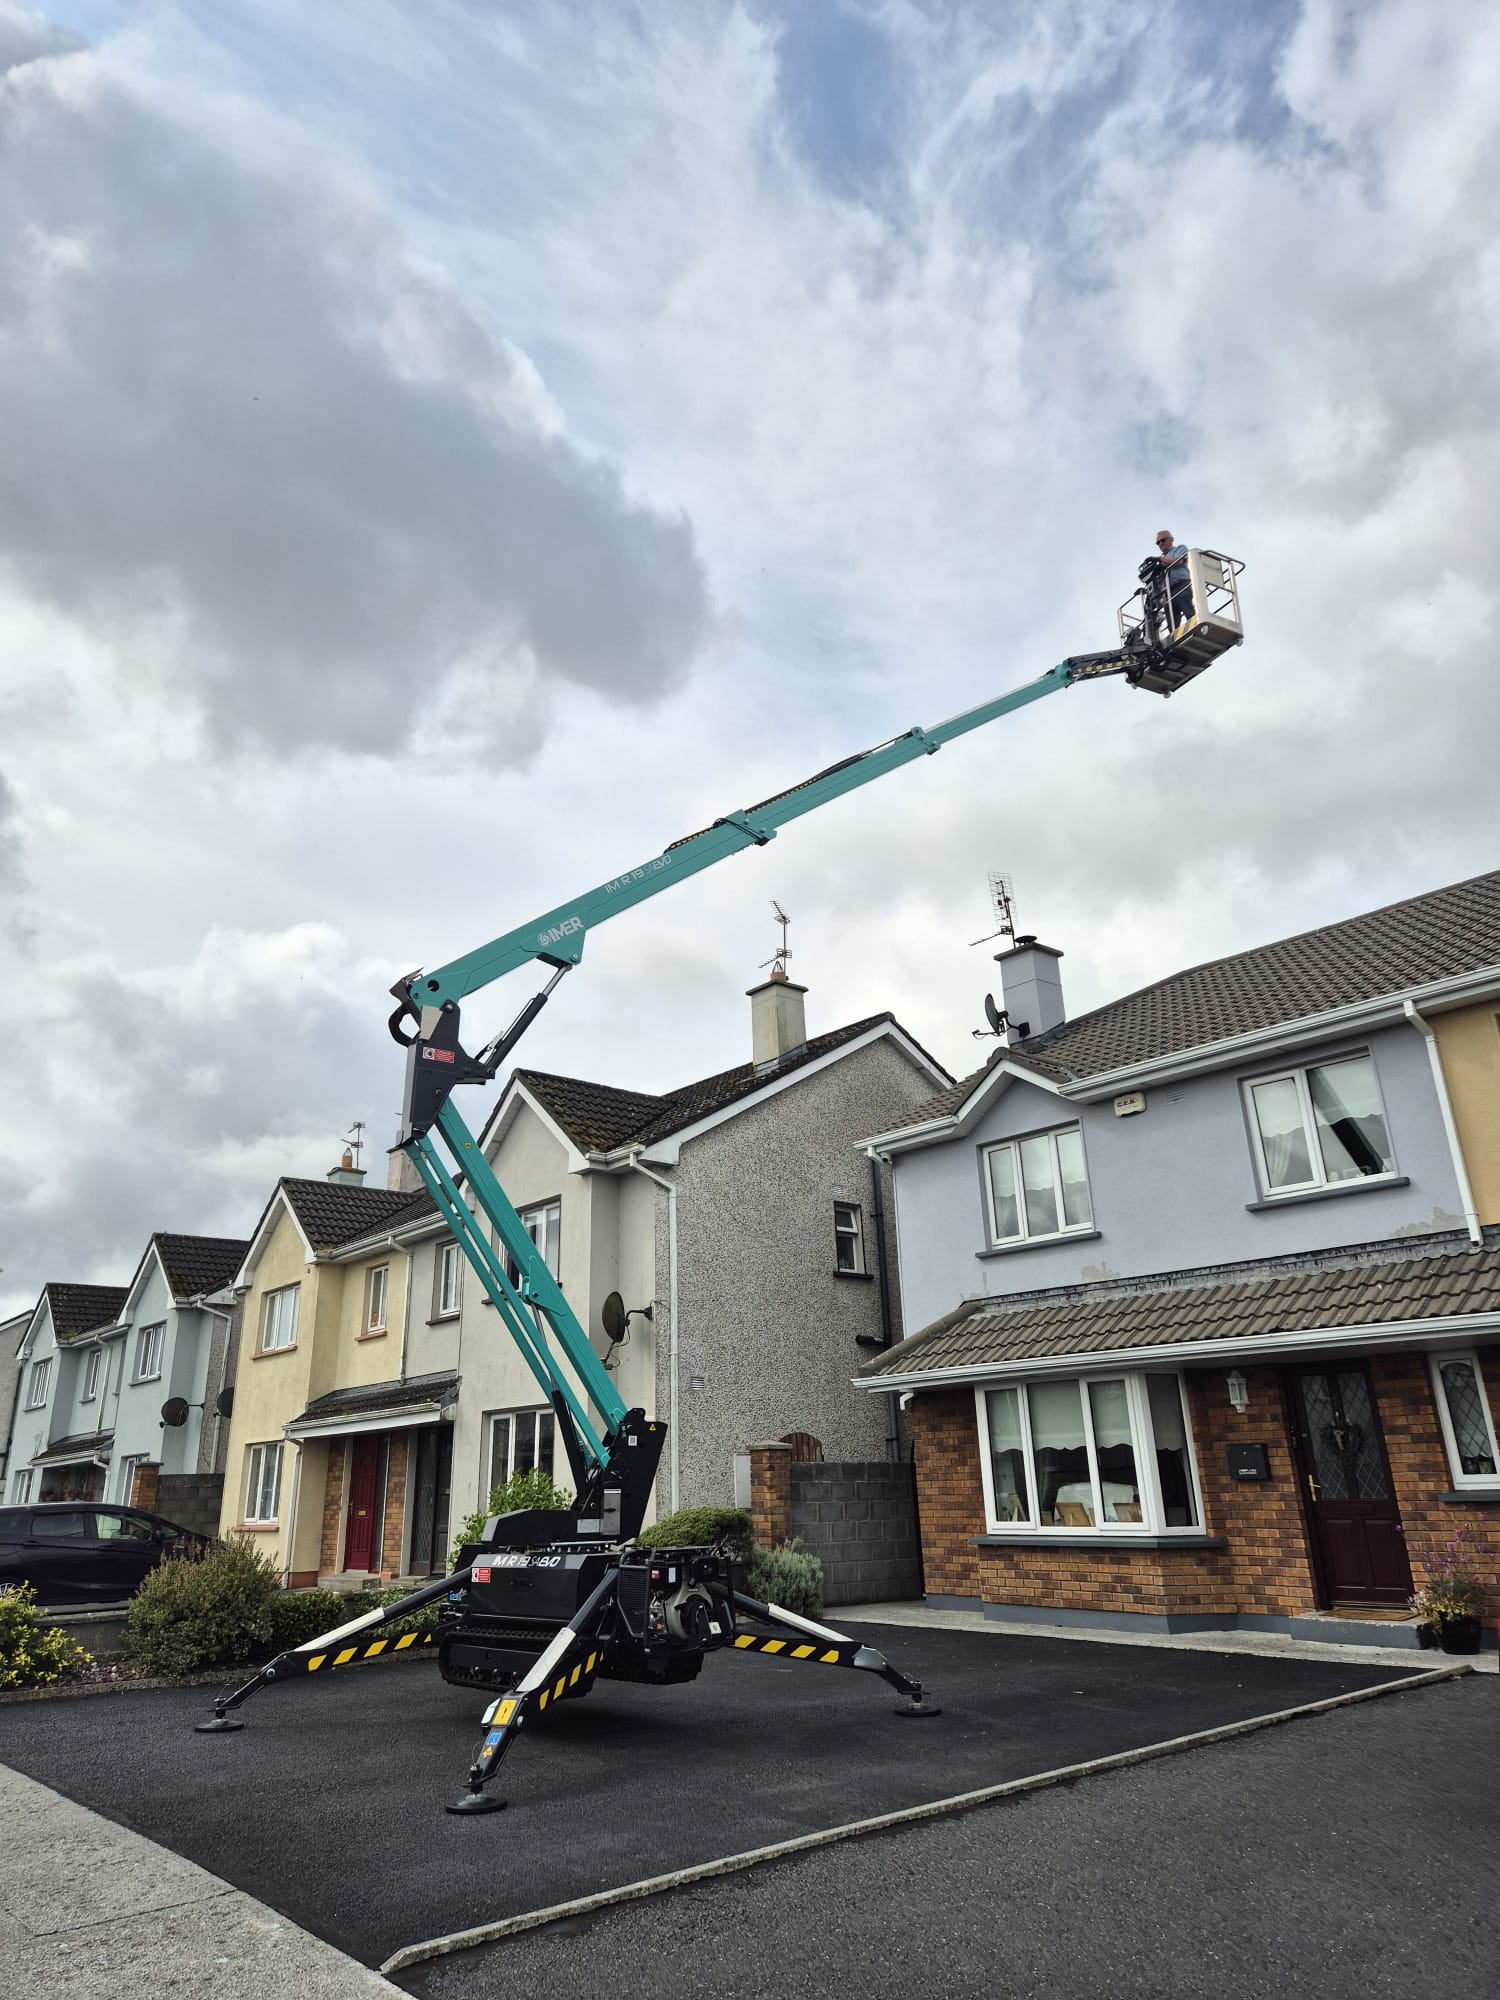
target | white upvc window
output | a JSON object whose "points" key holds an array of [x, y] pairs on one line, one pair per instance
{"points": [[1320, 1126], [1468, 1425], [446, 1292], [127, 1477], [379, 1291], [543, 1224], [40, 1382], [91, 1368], [1089, 1454], [148, 1349], [848, 1238], [20, 1484], [278, 1319], [1037, 1187], [519, 1440], [262, 1483]]}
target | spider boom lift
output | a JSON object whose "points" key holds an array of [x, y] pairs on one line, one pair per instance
{"points": [[548, 1603]]}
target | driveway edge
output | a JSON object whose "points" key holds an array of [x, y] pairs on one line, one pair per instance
{"points": [[730, 1864]]}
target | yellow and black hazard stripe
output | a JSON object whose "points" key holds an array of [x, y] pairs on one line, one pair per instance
{"points": [[375, 1649], [573, 1678], [821, 1654]]}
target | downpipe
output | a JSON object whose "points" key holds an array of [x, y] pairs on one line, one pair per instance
{"points": [[674, 1478]]}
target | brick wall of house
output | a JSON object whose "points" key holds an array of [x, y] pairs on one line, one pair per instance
{"points": [[330, 1555], [394, 1523], [1265, 1567]]}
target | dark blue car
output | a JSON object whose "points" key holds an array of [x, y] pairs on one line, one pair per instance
{"points": [[80, 1551]]}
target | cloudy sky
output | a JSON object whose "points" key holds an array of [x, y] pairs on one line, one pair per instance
{"points": [[451, 450]]}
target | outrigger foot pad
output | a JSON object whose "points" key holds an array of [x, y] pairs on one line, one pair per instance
{"points": [[476, 1802], [916, 1706], [218, 1723]]}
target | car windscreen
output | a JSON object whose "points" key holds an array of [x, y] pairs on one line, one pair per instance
{"points": [[65, 1526]]}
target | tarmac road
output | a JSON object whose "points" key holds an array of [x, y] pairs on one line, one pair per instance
{"points": [[328, 1806]]}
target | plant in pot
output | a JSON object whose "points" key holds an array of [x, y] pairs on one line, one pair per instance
{"points": [[1452, 1599]]}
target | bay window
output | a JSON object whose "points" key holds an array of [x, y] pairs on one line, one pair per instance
{"points": [[1322, 1126], [1096, 1453], [1464, 1412], [1037, 1186]]}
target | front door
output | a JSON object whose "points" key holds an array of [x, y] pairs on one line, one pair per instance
{"points": [[364, 1505], [1351, 1508], [429, 1514]]}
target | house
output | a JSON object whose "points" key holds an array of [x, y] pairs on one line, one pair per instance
{"points": [[101, 1363], [326, 1436], [12, 1332], [742, 1225], [1207, 1309]]}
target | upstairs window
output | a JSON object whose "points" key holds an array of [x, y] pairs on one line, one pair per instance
{"points": [[1323, 1126], [91, 1375], [447, 1279], [148, 1346], [36, 1388], [1038, 1187], [278, 1319], [380, 1282], [1468, 1428], [848, 1239], [543, 1224]]}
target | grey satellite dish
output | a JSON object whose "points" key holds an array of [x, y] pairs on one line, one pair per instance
{"points": [[992, 1014], [224, 1402], [614, 1318], [174, 1411]]}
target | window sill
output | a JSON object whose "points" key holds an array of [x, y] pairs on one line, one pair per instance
{"points": [[272, 1353], [859, 1277], [1076, 1538], [373, 1333], [258, 1528], [1366, 1185], [1040, 1242], [1471, 1496], [442, 1319], [136, 1381]]}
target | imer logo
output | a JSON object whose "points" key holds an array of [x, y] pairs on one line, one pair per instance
{"points": [[560, 931]]}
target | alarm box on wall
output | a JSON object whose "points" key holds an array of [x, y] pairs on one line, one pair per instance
{"points": [[1249, 1461]]}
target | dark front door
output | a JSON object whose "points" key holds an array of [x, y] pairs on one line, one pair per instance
{"points": [[1351, 1508], [429, 1515], [364, 1504]]}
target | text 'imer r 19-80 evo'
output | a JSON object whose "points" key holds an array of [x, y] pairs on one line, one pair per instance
{"points": [[547, 1604]]}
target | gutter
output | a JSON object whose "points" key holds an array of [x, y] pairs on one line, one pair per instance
{"points": [[1454, 1329], [674, 1458], [1450, 1127]]}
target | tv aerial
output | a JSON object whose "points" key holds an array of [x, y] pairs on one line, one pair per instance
{"points": [[783, 950], [1002, 909]]}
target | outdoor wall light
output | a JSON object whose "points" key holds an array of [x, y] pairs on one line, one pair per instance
{"points": [[1239, 1391]]}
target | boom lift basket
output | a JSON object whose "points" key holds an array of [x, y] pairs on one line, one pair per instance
{"points": [[1184, 649]]}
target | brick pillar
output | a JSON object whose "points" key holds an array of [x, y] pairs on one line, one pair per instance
{"points": [[771, 1493], [333, 1503], [388, 1560], [143, 1488]]}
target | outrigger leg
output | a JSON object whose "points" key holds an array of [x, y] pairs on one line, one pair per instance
{"points": [[326, 1650], [834, 1649], [567, 1666]]}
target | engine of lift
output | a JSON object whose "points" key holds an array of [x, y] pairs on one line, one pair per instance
{"points": [[669, 1607]]}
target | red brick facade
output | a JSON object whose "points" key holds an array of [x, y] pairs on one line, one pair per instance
{"points": [[394, 1520], [330, 1555], [145, 1488], [771, 1493], [1265, 1567]]}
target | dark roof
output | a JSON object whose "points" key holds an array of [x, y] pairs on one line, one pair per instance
{"points": [[418, 1207], [440, 1387], [597, 1117], [1300, 1297], [197, 1264], [1441, 935], [83, 1308], [336, 1212], [86, 1445]]}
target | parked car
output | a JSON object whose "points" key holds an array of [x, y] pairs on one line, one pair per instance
{"points": [[81, 1552]]}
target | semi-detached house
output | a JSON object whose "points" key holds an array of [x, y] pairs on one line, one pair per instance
{"points": [[1206, 1284]]}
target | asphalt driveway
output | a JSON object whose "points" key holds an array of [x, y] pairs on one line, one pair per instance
{"points": [[328, 1806]]}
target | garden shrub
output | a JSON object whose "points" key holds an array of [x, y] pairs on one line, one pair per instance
{"points": [[213, 1611], [419, 1620], [300, 1615], [522, 1489], [788, 1575], [33, 1654], [701, 1528]]}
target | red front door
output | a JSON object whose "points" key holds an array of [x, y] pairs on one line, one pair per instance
{"points": [[1351, 1507], [364, 1505]]}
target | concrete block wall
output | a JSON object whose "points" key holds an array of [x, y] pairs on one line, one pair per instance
{"points": [[860, 1520], [191, 1500]]}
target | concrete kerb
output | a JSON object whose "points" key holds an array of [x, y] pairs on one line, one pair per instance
{"points": [[679, 1878]]}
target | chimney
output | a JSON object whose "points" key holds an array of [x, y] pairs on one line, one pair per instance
{"points": [[401, 1177], [1032, 988], [346, 1174], [778, 1027]]}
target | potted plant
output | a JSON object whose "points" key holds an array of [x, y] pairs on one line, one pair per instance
{"points": [[1452, 1600]]}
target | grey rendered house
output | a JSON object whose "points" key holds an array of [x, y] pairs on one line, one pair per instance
{"points": [[741, 1221], [1206, 1313], [12, 1332], [100, 1362]]}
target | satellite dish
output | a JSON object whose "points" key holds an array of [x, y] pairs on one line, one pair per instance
{"points": [[613, 1317], [224, 1402], [992, 1014], [174, 1411]]}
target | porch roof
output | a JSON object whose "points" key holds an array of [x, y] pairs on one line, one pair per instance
{"points": [[1444, 1290], [85, 1447], [379, 1405]]}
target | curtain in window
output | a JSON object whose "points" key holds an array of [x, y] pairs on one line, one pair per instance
{"points": [[1461, 1388], [1077, 1213], [1119, 1484], [1039, 1186], [1003, 1186], [1062, 1460], [1278, 1113], [1008, 1456], [1173, 1466], [1351, 1130]]}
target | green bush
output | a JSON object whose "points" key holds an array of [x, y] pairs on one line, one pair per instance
{"points": [[522, 1489], [213, 1611], [790, 1576], [420, 1620], [300, 1615], [702, 1528], [31, 1653]]}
